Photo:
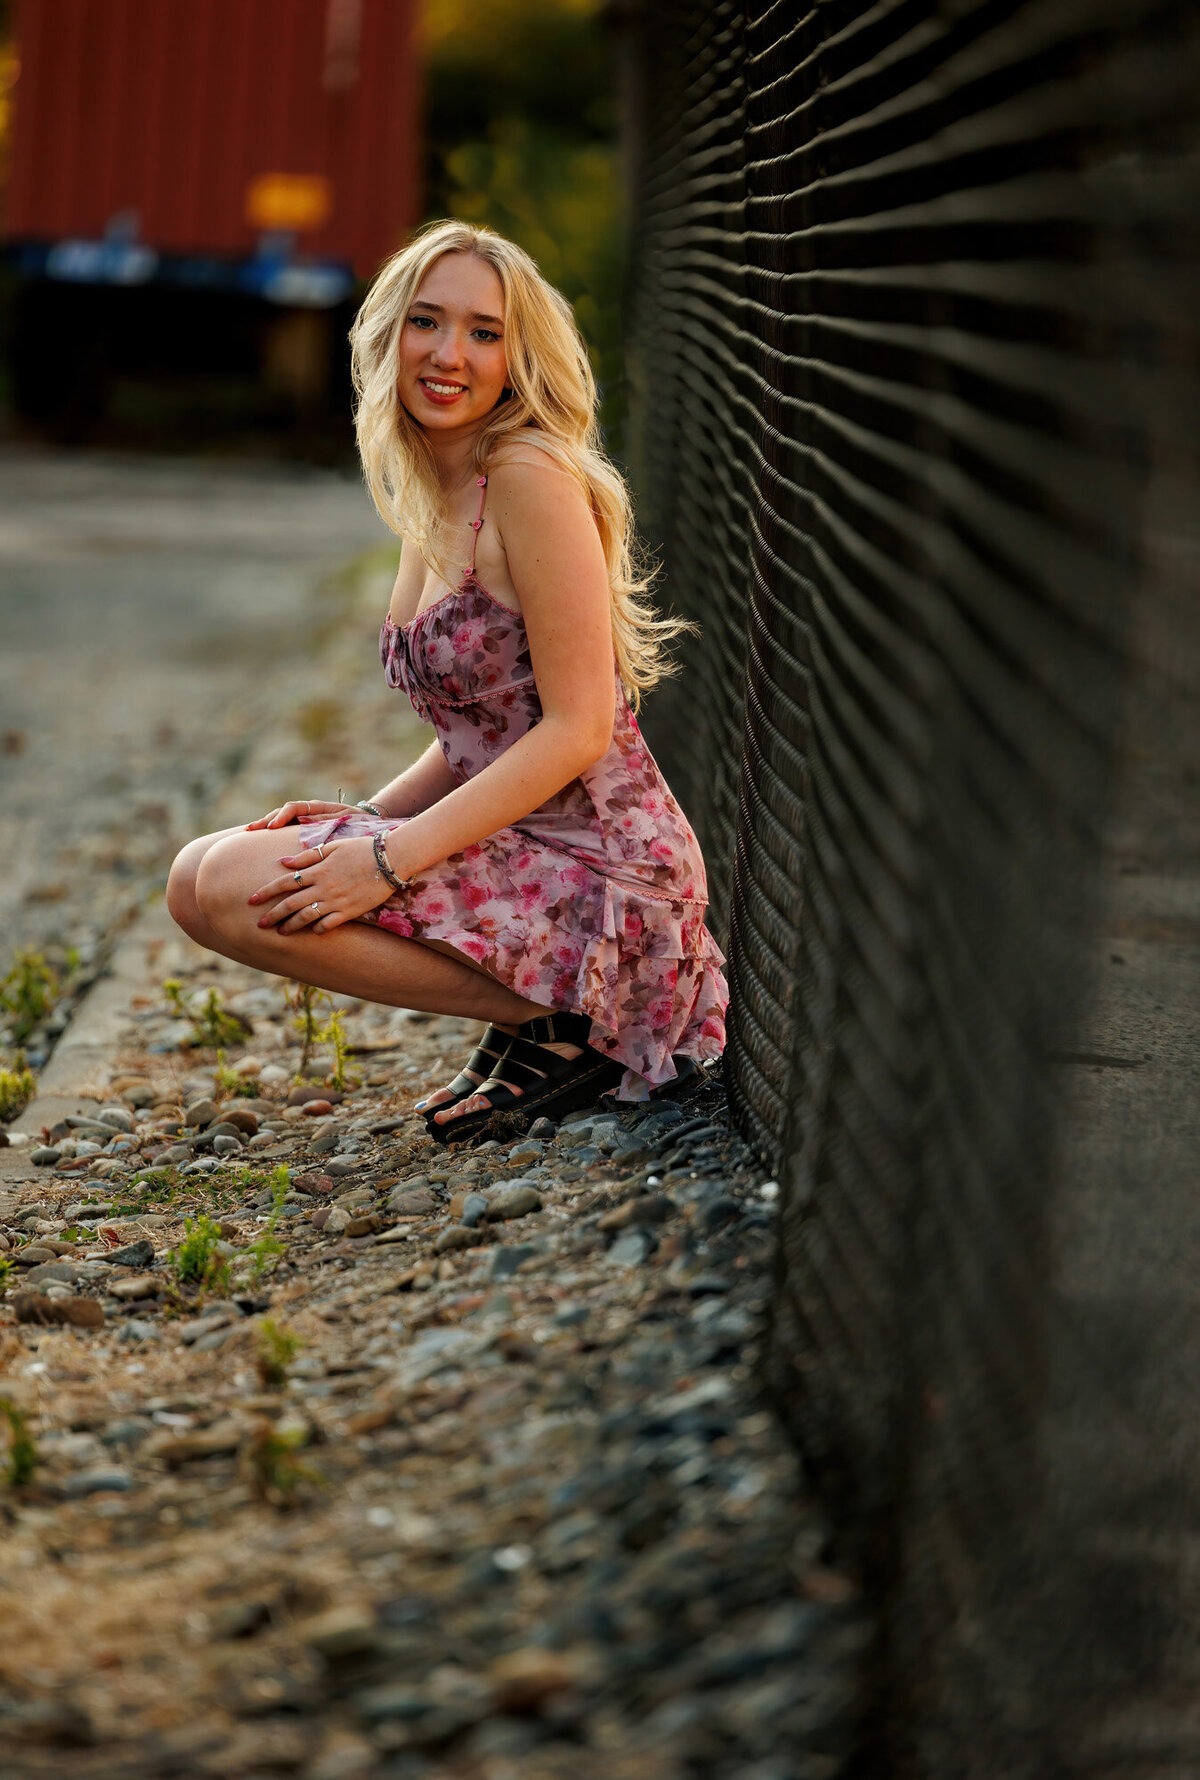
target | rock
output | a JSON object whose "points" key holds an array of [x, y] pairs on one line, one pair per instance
{"points": [[241, 1118], [543, 1130], [87, 1211], [380, 1127], [317, 1109], [34, 1255], [341, 1166], [52, 1723], [523, 1154], [85, 1146], [135, 1330], [272, 1075], [313, 1184], [143, 1285], [44, 1156], [337, 1220], [474, 1208], [523, 1679], [515, 1200], [209, 1343], [91, 1483], [631, 1249], [226, 1146], [504, 1262], [134, 1254], [200, 1112], [356, 1199], [36, 1307], [175, 1152], [192, 1331], [311, 1093], [61, 1272], [265, 1140], [341, 1632], [325, 1144], [454, 1236], [643, 1209], [414, 1201], [116, 1116], [174, 1449], [126, 1432], [366, 1225]]}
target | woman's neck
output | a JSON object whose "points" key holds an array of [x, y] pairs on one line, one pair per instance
{"points": [[453, 456]]}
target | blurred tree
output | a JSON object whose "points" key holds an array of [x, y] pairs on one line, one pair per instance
{"points": [[521, 135]]}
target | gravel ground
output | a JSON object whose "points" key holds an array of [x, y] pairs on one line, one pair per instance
{"points": [[515, 1508]]}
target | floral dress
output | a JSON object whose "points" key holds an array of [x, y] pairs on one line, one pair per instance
{"points": [[594, 903]]}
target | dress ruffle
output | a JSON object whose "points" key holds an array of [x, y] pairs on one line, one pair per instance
{"points": [[639, 964]]}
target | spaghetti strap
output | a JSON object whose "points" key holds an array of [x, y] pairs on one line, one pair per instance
{"points": [[478, 520]]}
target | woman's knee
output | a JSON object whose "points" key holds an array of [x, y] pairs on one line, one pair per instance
{"points": [[224, 879], [183, 903]]}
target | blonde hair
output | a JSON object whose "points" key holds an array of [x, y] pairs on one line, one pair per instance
{"points": [[552, 406]]}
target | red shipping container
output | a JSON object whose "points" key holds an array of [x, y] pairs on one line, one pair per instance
{"points": [[194, 126]]}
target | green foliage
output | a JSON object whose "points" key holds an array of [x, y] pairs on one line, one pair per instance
{"points": [[521, 126], [196, 1261], [28, 993], [23, 1457], [277, 1474], [334, 1034], [230, 1082], [266, 1248], [277, 1348], [7, 1269], [213, 1025], [16, 1089], [304, 1005]]}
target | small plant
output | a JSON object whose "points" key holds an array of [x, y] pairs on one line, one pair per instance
{"points": [[275, 1471], [7, 1269], [277, 1348], [196, 1261], [304, 1004], [16, 1089], [214, 1025], [231, 1081], [266, 1248], [28, 993], [23, 1457], [334, 1034]]}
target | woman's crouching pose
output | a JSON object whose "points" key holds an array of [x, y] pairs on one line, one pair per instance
{"points": [[532, 870]]}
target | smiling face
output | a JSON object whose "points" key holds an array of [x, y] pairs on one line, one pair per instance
{"points": [[452, 363]]}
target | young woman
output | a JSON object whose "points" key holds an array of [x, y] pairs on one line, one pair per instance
{"points": [[532, 870]]}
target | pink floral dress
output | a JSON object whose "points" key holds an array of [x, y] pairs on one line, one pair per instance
{"points": [[593, 903]]}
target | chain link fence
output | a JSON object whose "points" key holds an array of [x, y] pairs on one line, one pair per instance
{"points": [[913, 366]]}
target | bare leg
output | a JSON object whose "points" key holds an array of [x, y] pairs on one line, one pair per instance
{"points": [[356, 959]]}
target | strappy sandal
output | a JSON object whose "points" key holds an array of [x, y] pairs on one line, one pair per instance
{"points": [[550, 1085], [488, 1052]]}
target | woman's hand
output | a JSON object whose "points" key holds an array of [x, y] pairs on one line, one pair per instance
{"points": [[323, 889], [299, 810]]}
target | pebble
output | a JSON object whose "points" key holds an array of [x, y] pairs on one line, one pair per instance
{"points": [[314, 1185], [37, 1307], [264, 1140], [273, 1075], [34, 1254], [115, 1116], [91, 1483], [504, 1262], [143, 1285], [87, 1211], [643, 1209], [474, 1208], [454, 1236], [134, 1254], [413, 1201], [226, 1146], [44, 1156], [60, 1271], [515, 1200], [631, 1249], [200, 1112], [241, 1118], [338, 1220], [134, 1330]]}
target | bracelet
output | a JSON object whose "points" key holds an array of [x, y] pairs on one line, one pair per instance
{"points": [[385, 869], [373, 808]]}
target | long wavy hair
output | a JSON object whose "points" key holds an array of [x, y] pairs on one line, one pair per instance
{"points": [[552, 405]]}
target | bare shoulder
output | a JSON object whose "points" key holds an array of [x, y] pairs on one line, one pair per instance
{"points": [[528, 488]]}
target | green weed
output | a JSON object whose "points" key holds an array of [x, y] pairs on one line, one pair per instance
{"points": [[7, 1269], [305, 1019], [266, 1248], [213, 1025], [28, 993], [230, 1082], [277, 1348], [23, 1458], [275, 1471], [17, 1087], [196, 1261]]}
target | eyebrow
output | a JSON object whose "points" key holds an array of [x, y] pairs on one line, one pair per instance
{"points": [[419, 302]]}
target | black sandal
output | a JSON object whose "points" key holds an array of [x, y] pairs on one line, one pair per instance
{"points": [[488, 1052], [551, 1084]]}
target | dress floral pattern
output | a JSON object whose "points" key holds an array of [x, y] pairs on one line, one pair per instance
{"points": [[593, 903]]}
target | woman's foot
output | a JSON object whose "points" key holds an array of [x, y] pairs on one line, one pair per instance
{"points": [[475, 1070], [548, 1062]]}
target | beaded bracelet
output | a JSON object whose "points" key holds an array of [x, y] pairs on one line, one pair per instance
{"points": [[384, 864], [373, 808]]}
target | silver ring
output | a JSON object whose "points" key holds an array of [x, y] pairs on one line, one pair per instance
{"points": [[307, 809], [316, 906], [298, 877], [321, 851]]}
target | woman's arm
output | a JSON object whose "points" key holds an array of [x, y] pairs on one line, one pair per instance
{"points": [[557, 566], [418, 787]]}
